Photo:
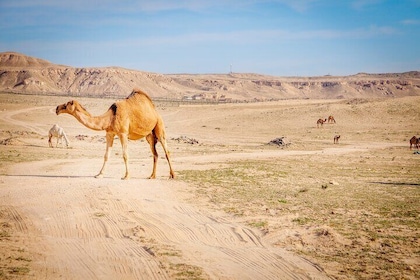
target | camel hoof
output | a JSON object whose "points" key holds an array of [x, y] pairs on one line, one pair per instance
{"points": [[125, 178], [99, 176]]}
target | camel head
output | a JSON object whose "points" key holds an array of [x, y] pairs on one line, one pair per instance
{"points": [[69, 108]]}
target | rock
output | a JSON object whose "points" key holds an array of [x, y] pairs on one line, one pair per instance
{"points": [[186, 140], [281, 141]]}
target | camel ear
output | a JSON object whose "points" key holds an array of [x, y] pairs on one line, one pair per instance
{"points": [[71, 102]]}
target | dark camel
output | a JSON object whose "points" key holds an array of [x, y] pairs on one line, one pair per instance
{"points": [[414, 141], [320, 122], [331, 119], [336, 139]]}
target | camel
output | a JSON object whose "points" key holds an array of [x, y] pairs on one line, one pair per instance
{"points": [[130, 119], [57, 131], [331, 119], [336, 139], [320, 122], [415, 141]]}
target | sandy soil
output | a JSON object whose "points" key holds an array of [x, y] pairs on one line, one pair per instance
{"points": [[58, 222]]}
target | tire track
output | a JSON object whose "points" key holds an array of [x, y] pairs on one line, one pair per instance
{"points": [[107, 228], [204, 240], [82, 243], [18, 221]]}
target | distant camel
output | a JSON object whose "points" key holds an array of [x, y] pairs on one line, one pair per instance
{"points": [[320, 122], [331, 119], [57, 131], [336, 139], [415, 141], [130, 119]]}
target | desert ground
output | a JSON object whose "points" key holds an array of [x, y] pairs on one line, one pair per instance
{"points": [[239, 207]]}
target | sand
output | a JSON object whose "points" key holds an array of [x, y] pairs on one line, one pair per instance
{"points": [[59, 222]]}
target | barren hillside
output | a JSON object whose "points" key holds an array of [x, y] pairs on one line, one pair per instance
{"points": [[24, 74]]}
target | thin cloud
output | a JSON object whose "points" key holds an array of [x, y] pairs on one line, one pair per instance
{"points": [[241, 37], [411, 22], [153, 6], [361, 4], [259, 36], [299, 5], [145, 5]]}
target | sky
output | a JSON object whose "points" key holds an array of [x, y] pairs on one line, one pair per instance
{"points": [[271, 37]]}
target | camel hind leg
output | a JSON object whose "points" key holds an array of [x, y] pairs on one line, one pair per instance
{"points": [[165, 148], [151, 139], [159, 135]]}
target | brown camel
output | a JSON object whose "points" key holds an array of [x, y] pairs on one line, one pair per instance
{"points": [[336, 139], [320, 122], [415, 141], [331, 119], [130, 119]]}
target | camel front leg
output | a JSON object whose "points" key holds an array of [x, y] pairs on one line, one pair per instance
{"points": [[124, 144], [109, 143], [60, 141]]}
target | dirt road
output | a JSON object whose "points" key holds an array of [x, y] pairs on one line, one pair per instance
{"points": [[86, 228]]}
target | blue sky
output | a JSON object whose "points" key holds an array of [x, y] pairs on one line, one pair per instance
{"points": [[274, 37]]}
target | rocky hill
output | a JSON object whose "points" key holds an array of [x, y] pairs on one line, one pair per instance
{"points": [[23, 74], [20, 73]]}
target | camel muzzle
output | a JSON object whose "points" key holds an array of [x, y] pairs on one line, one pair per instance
{"points": [[57, 110]]}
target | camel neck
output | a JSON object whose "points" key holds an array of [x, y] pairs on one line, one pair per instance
{"points": [[94, 122]]}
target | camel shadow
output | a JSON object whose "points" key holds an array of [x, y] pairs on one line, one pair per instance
{"points": [[398, 184], [47, 147], [49, 176], [70, 177]]}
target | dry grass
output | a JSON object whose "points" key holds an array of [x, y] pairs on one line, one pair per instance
{"points": [[357, 212], [14, 260]]}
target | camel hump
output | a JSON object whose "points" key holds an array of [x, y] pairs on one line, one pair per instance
{"points": [[139, 92]]}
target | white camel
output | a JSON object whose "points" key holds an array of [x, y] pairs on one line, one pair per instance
{"points": [[57, 131]]}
